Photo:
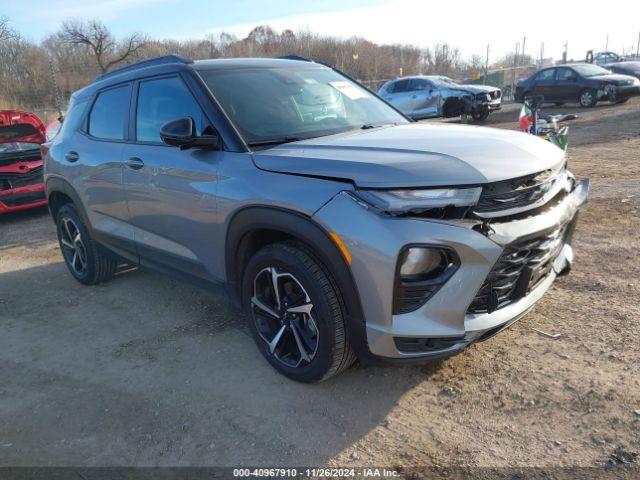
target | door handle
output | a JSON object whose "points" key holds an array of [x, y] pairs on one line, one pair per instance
{"points": [[72, 157], [414, 96], [134, 163]]}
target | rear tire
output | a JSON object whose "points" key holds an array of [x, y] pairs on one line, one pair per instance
{"points": [[86, 263], [587, 98], [296, 313]]}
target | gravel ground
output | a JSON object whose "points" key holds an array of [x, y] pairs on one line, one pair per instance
{"points": [[148, 371]]}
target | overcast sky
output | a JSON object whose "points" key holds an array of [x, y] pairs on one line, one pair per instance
{"points": [[469, 25]]}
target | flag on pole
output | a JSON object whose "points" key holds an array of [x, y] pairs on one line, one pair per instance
{"points": [[526, 118]]}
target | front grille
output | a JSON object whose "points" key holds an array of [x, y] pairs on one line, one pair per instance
{"points": [[9, 181], [518, 192], [20, 199], [520, 268]]}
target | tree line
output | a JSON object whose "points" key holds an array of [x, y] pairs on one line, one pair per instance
{"points": [[44, 74]]}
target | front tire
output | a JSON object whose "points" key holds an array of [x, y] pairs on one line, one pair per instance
{"points": [[81, 254], [480, 115], [296, 313], [587, 98]]}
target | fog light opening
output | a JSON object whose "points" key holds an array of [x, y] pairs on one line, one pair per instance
{"points": [[421, 263]]}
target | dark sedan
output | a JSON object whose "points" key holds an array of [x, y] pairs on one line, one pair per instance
{"points": [[625, 68], [581, 82]]}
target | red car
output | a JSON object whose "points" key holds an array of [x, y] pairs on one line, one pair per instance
{"points": [[21, 181]]}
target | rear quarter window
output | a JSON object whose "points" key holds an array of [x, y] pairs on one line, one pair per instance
{"points": [[109, 113], [72, 119]]}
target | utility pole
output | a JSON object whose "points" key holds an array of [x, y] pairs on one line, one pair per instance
{"points": [[638, 46], [541, 53], [486, 67], [524, 40], [564, 54], [513, 72], [606, 47]]}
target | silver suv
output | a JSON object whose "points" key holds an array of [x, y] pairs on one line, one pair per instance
{"points": [[341, 228]]}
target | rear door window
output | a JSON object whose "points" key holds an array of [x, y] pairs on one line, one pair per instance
{"points": [[566, 74], [401, 86], [420, 84], [160, 101], [546, 75], [109, 114]]}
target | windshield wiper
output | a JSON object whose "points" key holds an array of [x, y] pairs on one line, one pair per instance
{"points": [[368, 126], [275, 141]]}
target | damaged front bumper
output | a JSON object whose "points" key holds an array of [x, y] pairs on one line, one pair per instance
{"points": [[444, 325]]}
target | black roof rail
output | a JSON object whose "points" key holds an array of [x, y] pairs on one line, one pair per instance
{"points": [[174, 58], [296, 57]]}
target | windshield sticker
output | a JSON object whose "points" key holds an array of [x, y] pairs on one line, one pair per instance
{"points": [[349, 90]]}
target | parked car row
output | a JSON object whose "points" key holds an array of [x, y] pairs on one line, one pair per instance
{"points": [[584, 83], [428, 96]]}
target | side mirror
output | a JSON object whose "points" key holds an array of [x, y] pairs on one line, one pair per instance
{"points": [[182, 133]]}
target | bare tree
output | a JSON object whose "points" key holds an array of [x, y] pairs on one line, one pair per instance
{"points": [[79, 51], [6, 32], [95, 36], [443, 59]]}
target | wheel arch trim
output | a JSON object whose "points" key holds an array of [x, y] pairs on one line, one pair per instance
{"points": [[303, 228], [60, 185]]}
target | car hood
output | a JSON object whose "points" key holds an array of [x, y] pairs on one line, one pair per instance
{"points": [[478, 88], [612, 77], [21, 127], [414, 155]]}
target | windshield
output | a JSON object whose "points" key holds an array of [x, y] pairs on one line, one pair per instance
{"points": [[272, 105], [590, 70]]}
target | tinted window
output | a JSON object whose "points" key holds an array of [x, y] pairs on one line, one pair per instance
{"points": [[109, 112], [418, 84], [400, 86], [160, 101], [566, 74], [545, 75]]}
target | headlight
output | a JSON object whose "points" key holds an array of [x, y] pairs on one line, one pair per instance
{"points": [[410, 200]]}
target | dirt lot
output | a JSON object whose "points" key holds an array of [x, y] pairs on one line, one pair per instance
{"points": [[147, 371]]}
